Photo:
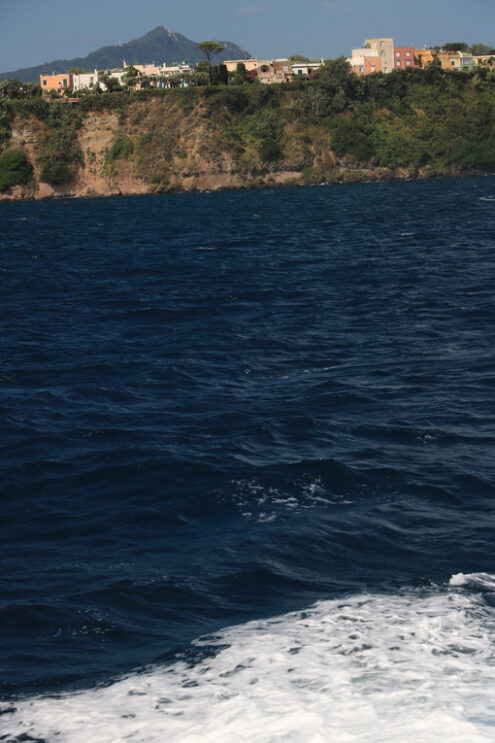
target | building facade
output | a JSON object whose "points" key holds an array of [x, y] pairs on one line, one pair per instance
{"points": [[455, 60], [52, 81], [306, 68], [364, 61], [384, 48], [85, 80], [404, 57], [249, 64], [424, 57]]}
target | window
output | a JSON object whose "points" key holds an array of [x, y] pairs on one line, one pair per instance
{"points": [[65, 83], [408, 63], [408, 54], [397, 54], [44, 82]]}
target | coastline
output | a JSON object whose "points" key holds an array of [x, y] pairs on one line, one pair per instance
{"points": [[202, 142], [271, 179]]}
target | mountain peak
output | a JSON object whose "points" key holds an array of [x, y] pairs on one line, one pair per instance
{"points": [[160, 44]]}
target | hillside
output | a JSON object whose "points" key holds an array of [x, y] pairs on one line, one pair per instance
{"points": [[336, 129], [159, 45]]}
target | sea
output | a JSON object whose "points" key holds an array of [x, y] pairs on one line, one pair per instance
{"points": [[247, 466]]}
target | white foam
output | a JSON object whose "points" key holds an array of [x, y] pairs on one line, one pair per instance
{"points": [[264, 504], [372, 668], [484, 580]]}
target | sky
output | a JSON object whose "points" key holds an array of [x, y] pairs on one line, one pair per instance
{"points": [[33, 32]]}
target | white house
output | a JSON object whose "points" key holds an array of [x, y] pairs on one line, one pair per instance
{"points": [[85, 80], [304, 68]]}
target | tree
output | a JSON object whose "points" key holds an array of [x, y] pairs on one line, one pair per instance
{"points": [[110, 83], [317, 100], [480, 49], [76, 71], [219, 74], [12, 88], [130, 75], [15, 169], [456, 46], [299, 58], [210, 49], [241, 75]]}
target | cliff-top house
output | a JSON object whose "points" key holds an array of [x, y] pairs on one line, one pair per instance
{"points": [[53, 81]]}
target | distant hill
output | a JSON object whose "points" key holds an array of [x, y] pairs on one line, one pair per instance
{"points": [[159, 45]]}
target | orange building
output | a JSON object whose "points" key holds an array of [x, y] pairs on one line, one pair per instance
{"points": [[50, 81]]}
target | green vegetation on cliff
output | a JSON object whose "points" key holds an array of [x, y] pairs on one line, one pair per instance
{"points": [[334, 127], [15, 169]]}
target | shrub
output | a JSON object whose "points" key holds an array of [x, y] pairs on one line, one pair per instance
{"points": [[60, 157], [236, 99], [270, 150], [15, 169], [121, 149], [348, 139], [6, 116]]}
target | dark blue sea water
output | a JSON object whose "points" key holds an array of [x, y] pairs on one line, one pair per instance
{"points": [[221, 408]]}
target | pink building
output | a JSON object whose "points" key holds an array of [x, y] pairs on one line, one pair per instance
{"points": [[365, 61], [370, 64], [404, 57]]}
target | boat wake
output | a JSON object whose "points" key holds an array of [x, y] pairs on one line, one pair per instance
{"points": [[417, 665]]}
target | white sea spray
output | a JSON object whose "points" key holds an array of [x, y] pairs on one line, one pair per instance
{"points": [[418, 665]]}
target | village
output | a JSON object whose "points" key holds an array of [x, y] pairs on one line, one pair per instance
{"points": [[376, 55]]}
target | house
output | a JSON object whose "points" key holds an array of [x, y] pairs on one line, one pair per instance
{"points": [[364, 61], [484, 60], [424, 57], [306, 68], [384, 48], [249, 64], [404, 57], [455, 60], [282, 70], [85, 80], [53, 81], [117, 74]]}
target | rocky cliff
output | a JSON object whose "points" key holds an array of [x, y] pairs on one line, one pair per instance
{"points": [[163, 144]]}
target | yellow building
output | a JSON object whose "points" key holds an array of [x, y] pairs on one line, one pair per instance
{"points": [[424, 57], [455, 60], [249, 64], [484, 59]]}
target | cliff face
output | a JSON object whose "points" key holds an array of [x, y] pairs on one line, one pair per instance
{"points": [[159, 145], [248, 136]]}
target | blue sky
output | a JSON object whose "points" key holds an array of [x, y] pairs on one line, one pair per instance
{"points": [[37, 31]]}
